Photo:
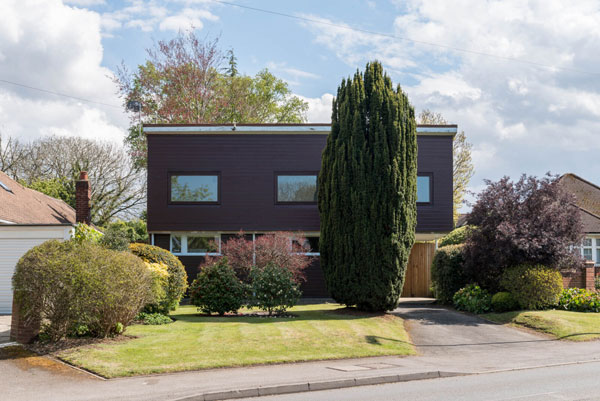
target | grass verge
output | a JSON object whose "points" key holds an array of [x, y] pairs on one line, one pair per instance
{"points": [[565, 325], [194, 342]]}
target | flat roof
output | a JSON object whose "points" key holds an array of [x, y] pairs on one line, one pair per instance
{"points": [[316, 128]]}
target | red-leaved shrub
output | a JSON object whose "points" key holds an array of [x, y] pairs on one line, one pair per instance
{"points": [[272, 248]]}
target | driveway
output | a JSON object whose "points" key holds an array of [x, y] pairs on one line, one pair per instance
{"points": [[447, 337]]}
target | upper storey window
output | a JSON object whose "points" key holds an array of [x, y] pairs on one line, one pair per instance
{"points": [[194, 188], [424, 189], [297, 188]]}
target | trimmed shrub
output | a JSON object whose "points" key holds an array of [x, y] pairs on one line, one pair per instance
{"points": [[177, 281], [274, 288], [533, 286], [160, 285], [579, 300], [504, 302], [456, 237], [217, 289], [447, 272], [472, 298], [152, 319], [79, 288]]}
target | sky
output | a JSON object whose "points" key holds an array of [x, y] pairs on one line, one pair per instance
{"points": [[520, 78]]}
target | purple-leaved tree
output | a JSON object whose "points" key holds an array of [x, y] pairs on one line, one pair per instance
{"points": [[531, 220]]}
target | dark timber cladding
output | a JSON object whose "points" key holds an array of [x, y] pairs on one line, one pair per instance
{"points": [[248, 164]]}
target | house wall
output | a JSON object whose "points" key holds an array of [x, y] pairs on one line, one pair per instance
{"points": [[247, 164]]}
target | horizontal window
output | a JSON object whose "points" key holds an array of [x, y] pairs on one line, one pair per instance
{"points": [[297, 188], [195, 244], [424, 189], [194, 188]]}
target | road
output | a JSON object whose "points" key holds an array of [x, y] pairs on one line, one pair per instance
{"points": [[570, 382]]}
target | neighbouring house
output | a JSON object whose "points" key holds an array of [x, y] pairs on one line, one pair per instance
{"points": [[587, 200], [208, 182], [28, 218]]}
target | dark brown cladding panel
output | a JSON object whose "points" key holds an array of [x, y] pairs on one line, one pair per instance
{"points": [[248, 163]]}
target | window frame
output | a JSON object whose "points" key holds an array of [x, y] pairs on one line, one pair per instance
{"points": [[184, 243], [278, 174], [594, 248], [313, 253], [194, 173], [430, 202]]}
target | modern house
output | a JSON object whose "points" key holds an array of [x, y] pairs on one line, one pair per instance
{"points": [[208, 182]]}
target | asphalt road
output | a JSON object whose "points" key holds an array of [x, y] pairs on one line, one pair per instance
{"points": [[570, 382]]}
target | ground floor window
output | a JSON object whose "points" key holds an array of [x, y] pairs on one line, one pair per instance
{"points": [[590, 249], [210, 243], [195, 244]]}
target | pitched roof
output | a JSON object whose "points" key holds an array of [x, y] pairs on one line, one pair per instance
{"points": [[20, 205], [587, 197]]}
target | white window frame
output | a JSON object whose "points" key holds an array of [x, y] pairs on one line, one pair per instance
{"points": [[595, 248], [184, 244]]}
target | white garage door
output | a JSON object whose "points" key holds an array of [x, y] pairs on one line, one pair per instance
{"points": [[14, 242]]}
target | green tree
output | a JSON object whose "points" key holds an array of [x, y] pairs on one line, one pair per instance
{"points": [[367, 191], [57, 187], [462, 164], [189, 80]]}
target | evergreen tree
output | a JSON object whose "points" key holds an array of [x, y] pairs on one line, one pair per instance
{"points": [[367, 191]]}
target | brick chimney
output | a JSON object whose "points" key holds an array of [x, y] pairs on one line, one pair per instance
{"points": [[82, 199]]}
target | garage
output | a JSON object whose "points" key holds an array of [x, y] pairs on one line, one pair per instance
{"points": [[15, 240], [27, 218]]}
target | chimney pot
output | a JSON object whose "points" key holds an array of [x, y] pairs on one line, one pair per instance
{"points": [[83, 175]]}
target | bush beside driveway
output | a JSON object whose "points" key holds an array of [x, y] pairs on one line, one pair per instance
{"points": [[324, 331]]}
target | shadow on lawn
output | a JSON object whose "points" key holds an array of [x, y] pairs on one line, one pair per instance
{"points": [[317, 315]]}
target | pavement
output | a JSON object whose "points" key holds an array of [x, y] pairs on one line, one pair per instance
{"points": [[4, 329], [449, 343]]}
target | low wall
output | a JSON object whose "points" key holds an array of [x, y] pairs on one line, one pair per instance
{"points": [[581, 277]]}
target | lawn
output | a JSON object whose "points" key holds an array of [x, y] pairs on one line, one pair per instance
{"points": [[324, 331], [573, 326]]}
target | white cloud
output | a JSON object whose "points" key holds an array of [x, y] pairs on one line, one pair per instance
{"points": [[186, 19], [85, 3], [319, 108], [58, 48], [292, 76]]}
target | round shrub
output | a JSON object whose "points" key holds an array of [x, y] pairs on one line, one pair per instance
{"points": [[533, 286], [472, 299], [579, 300], [80, 287], [447, 272], [274, 288], [455, 237], [217, 289], [177, 282], [504, 302]]}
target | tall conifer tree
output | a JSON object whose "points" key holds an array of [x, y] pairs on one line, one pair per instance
{"points": [[367, 191]]}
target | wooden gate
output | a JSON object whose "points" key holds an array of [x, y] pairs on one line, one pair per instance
{"points": [[418, 272]]}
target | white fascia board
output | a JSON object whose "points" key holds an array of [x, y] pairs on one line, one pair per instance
{"points": [[6, 222], [305, 129], [241, 128]]}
